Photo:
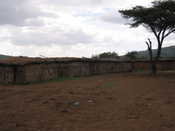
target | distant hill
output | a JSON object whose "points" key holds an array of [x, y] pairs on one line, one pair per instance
{"points": [[4, 56], [167, 52]]}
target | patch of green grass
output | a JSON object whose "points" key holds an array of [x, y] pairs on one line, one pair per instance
{"points": [[105, 85], [139, 70], [59, 79]]}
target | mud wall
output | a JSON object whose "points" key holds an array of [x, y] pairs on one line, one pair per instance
{"points": [[41, 71], [6, 74], [11, 74], [164, 65], [47, 71]]}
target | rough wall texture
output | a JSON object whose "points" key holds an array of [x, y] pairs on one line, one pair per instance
{"points": [[6, 74], [41, 71], [45, 71], [166, 65], [161, 65]]}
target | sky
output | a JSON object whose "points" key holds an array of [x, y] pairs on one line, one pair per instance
{"points": [[69, 28]]}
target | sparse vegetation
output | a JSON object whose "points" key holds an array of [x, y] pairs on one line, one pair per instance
{"points": [[132, 55], [106, 55], [106, 85], [106, 92], [59, 79], [79, 105]]}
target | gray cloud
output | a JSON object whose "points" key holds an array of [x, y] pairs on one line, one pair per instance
{"points": [[107, 15], [74, 2], [29, 30], [112, 16], [18, 12], [96, 3], [41, 37]]}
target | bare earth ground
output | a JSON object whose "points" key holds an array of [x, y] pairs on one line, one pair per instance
{"points": [[115, 102]]}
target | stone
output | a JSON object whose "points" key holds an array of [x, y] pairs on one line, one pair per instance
{"points": [[76, 103]]}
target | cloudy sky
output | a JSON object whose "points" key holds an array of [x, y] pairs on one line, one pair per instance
{"points": [[68, 28]]}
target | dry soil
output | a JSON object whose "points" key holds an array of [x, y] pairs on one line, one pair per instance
{"points": [[115, 102]]}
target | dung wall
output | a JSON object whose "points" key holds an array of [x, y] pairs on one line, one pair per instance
{"points": [[161, 65], [32, 71], [47, 71], [6, 74]]}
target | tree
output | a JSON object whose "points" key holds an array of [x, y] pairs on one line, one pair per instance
{"points": [[132, 55], [158, 19], [106, 55]]}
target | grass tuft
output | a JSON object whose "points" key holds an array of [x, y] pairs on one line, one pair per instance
{"points": [[106, 85]]}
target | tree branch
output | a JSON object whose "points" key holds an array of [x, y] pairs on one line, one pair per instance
{"points": [[163, 35], [155, 33], [171, 31], [160, 32], [149, 44]]}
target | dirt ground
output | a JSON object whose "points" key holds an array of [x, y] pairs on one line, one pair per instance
{"points": [[115, 102]]}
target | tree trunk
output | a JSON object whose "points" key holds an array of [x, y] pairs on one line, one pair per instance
{"points": [[158, 52], [156, 59], [152, 62], [153, 68]]}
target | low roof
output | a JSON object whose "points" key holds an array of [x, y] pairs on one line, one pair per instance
{"points": [[37, 60]]}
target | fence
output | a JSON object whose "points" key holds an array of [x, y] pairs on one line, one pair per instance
{"points": [[41, 70]]}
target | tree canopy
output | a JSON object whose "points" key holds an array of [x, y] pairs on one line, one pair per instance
{"points": [[132, 55], [106, 55], [158, 18]]}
